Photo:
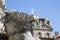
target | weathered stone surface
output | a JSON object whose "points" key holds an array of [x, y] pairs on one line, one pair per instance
{"points": [[15, 22]]}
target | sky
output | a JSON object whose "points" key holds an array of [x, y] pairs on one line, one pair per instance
{"points": [[44, 8]]}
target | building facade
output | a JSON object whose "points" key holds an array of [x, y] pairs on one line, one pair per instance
{"points": [[2, 9], [42, 28]]}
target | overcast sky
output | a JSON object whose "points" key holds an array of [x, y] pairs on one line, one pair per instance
{"points": [[44, 8]]}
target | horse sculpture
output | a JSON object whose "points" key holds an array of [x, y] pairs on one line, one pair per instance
{"points": [[16, 24]]}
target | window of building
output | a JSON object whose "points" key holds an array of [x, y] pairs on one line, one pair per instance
{"points": [[47, 35], [39, 34]]}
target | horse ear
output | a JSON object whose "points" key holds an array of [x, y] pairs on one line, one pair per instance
{"points": [[7, 13]]}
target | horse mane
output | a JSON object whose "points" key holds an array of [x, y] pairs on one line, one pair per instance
{"points": [[19, 19]]}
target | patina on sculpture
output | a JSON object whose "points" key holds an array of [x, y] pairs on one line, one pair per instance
{"points": [[15, 24]]}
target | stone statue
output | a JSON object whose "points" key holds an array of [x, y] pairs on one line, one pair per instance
{"points": [[16, 23]]}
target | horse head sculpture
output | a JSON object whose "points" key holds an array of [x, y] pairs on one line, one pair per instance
{"points": [[15, 22]]}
